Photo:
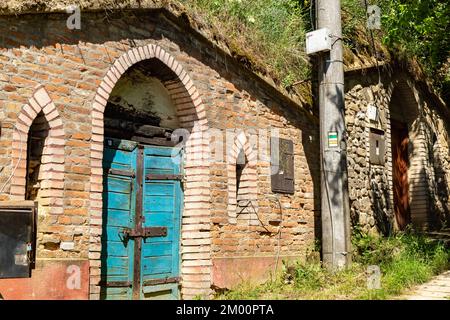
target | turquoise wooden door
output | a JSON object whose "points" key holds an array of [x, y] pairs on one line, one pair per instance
{"points": [[162, 205], [119, 201], [142, 199]]}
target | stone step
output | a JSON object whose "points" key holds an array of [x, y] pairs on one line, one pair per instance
{"points": [[442, 235]]}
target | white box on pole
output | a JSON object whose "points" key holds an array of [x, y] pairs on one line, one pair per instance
{"points": [[318, 41]]}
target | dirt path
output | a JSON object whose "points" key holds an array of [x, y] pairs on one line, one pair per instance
{"points": [[437, 288]]}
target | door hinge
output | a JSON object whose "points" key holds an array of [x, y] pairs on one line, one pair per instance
{"points": [[153, 282], [125, 173], [163, 177], [148, 232], [115, 284]]}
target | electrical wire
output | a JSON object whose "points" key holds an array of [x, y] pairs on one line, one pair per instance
{"points": [[262, 224], [279, 232]]}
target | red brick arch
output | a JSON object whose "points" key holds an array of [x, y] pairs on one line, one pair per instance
{"points": [[195, 237], [52, 167], [248, 179]]}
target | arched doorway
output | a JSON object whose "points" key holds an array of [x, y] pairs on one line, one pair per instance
{"points": [[138, 165]]}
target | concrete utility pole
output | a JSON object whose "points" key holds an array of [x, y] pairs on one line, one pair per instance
{"points": [[334, 186]]}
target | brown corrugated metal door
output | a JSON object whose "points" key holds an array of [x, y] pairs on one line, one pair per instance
{"points": [[400, 173]]}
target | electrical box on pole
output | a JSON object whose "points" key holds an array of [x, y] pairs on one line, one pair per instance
{"points": [[318, 41]]}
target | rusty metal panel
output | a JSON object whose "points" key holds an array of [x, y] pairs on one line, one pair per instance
{"points": [[282, 165], [377, 146], [148, 232], [116, 284], [125, 173]]}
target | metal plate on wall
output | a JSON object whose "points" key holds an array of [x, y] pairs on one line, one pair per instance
{"points": [[377, 146], [16, 241], [282, 165]]}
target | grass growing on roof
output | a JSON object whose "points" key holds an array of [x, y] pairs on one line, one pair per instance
{"points": [[270, 35], [267, 33]]}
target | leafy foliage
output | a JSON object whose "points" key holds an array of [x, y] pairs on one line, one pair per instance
{"points": [[413, 29], [420, 28], [269, 33]]}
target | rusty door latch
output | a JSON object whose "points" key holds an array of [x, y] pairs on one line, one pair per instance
{"points": [[148, 232]]}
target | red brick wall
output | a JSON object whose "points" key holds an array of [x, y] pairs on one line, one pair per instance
{"points": [[78, 68]]}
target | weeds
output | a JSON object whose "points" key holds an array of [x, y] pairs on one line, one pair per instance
{"points": [[405, 259], [268, 33]]}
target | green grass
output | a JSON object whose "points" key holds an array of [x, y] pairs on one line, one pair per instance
{"points": [[405, 260], [269, 34]]}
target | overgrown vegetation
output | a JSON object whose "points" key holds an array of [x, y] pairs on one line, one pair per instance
{"points": [[270, 34], [405, 259], [266, 33], [416, 30]]}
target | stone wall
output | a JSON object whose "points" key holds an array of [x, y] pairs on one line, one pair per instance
{"points": [[369, 185]]}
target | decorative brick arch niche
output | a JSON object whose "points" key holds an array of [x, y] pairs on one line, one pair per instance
{"points": [[195, 235], [51, 170], [242, 182]]}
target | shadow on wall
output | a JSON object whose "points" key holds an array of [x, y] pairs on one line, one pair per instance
{"points": [[38, 133], [382, 211], [438, 181]]}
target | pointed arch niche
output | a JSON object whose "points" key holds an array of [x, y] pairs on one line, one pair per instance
{"points": [[242, 182], [38, 172]]}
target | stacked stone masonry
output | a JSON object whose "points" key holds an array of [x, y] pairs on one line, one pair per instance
{"points": [[397, 97]]}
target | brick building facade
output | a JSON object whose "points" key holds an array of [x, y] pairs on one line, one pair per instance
{"points": [[59, 82], [64, 93]]}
